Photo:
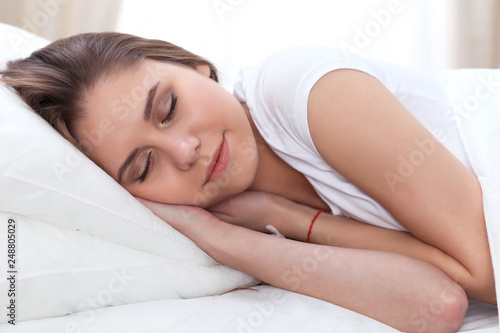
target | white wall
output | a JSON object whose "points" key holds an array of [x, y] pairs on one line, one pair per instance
{"points": [[235, 33], [53, 19]]}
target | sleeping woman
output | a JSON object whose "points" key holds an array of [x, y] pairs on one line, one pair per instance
{"points": [[333, 151]]}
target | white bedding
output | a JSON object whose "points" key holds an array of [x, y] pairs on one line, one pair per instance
{"points": [[266, 310], [91, 258]]}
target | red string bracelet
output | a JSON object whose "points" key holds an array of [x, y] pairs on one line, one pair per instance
{"points": [[311, 226]]}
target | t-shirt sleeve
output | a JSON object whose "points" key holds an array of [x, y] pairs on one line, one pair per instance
{"points": [[277, 92]]}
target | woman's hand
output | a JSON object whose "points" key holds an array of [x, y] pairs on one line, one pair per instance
{"points": [[255, 210], [188, 220], [250, 209]]}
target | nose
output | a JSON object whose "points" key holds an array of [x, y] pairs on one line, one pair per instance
{"points": [[185, 151]]}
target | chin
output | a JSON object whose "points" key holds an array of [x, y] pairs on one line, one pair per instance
{"points": [[204, 201], [219, 194]]}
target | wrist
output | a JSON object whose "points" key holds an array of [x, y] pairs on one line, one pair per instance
{"points": [[297, 221], [312, 224]]}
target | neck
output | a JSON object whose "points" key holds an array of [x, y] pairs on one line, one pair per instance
{"points": [[275, 176]]}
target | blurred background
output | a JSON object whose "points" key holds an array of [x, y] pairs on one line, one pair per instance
{"points": [[425, 34]]}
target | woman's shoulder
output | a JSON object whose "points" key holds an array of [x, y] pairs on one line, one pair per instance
{"points": [[276, 91]]}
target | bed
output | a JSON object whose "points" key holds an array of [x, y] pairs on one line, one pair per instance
{"points": [[80, 254]]}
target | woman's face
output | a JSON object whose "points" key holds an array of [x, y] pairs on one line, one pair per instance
{"points": [[170, 134]]}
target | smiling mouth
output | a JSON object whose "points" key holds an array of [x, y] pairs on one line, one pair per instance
{"points": [[219, 162]]}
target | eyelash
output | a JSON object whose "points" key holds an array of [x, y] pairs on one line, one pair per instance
{"points": [[167, 118], [171, 112], [146, 169]]}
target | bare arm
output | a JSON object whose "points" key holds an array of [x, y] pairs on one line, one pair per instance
{"points": [[362, 131], [399, 291], [344, 232], [255, 210]]}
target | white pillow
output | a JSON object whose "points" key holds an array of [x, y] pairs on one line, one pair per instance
{"points": [[82, 241]]}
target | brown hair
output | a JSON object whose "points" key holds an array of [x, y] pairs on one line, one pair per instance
{"points": [[55, 80]]}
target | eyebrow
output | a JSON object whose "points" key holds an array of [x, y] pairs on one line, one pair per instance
{"points": [[147, 115], [127, 162], [149, 101]]}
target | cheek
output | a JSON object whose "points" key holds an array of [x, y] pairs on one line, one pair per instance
{"points": [[146, 191], [172, 190]]}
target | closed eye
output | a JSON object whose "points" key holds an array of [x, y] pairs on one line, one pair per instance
{"points": [[167, 109], [144, 174]]}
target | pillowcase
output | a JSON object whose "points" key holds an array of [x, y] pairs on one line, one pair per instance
{"points": [[82, 241]]}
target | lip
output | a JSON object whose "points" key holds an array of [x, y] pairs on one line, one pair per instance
{"points": [[218, 163]]}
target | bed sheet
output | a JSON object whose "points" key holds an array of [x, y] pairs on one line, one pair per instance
{"points": [[260, 309], [474, 98]]}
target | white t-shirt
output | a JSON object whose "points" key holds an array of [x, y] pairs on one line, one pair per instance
{"points": [[276, 93]]}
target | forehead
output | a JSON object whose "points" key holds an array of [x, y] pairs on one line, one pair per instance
{"points": [[126, 88], [132, 81], [115, 104]]}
